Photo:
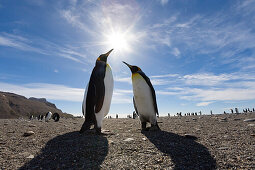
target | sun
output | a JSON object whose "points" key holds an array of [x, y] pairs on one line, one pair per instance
{"points": [[118, 40]]}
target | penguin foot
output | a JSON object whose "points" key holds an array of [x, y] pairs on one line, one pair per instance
{"points": [[85, 127], [154, 128], [144, 127], [145, 130], [98, 131]]}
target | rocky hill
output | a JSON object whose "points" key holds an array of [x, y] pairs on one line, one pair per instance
{"points": [[15, 106]]}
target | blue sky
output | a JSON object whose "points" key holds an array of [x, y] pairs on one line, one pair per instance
{"points": [[199, 55]]}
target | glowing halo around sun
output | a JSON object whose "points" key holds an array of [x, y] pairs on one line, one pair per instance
{"points": [[119, 41]]}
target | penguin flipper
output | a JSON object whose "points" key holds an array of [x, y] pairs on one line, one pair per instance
{"points": [[100, 92], [152, 90], [90, 103], [135, 106]]}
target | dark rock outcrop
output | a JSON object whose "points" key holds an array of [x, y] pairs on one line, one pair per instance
{"points": [[15, 106]]}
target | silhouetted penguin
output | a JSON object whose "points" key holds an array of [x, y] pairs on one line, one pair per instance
{"points": [[98, 94], [144, 98]]}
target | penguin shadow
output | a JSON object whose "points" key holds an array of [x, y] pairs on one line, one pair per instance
{"points": [[185, 153], [71, 151]]}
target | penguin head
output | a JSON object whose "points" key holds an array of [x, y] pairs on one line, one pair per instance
{"points": [[133, 69], [103, 57]]}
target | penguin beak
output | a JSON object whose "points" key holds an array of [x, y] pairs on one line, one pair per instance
{"points": [[108, 53], [127, 64]]}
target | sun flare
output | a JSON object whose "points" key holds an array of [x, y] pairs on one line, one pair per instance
{"points": [[119, 41]]}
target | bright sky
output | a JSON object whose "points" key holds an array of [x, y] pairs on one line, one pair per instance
{"points": [[199, 55]]}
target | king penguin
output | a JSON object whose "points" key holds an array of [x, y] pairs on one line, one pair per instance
{"points": [[144, 99], [47, 117], [98, 94]]}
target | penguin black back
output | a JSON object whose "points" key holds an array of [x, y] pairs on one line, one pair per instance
{"points": [[96, 90]]}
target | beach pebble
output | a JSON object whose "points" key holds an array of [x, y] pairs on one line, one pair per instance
{"points": [[251, 124], [236, 119], [223, 119], [190, 136], [249, 120], [29, 133], [25, 154], [32, 125], [105, 131], [249, 158], [110, 142], [30, 157], [223, 148], [128, 139]]}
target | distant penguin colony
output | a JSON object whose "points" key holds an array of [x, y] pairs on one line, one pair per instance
{"points": [[144, 98], [98, 94], [47, 117]]}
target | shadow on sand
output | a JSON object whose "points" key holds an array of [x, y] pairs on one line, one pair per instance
{"points": [[71, 151], [185, 153]]}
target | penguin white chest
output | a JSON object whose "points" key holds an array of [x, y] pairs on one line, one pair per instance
{"points": [[108, 83], [143, 97]]}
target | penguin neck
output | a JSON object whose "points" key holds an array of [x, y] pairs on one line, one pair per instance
{"points": [[135, 75], [101, 63]]}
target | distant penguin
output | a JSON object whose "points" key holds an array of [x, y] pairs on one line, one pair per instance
{"points": [[31, 117], [98, 94], [144, 98], [48, 116], [55, 117]]}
